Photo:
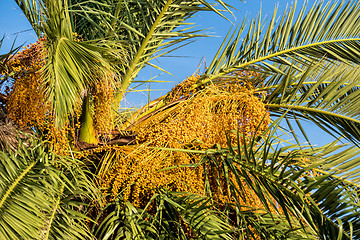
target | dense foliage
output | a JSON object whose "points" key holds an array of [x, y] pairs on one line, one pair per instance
{"points": [[205, 161]]}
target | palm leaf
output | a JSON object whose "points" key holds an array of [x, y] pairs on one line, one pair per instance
{"points": [[38, 192], [325, 31], [72, 67], [173, 210], [297, 186], [328, 97], [123, 221], [153, 28]]}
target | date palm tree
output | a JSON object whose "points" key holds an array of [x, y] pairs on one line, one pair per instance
{"points": [[121, 37], [306, 66]]}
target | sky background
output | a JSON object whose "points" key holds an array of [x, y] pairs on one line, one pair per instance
{"points": [[183, 62]]}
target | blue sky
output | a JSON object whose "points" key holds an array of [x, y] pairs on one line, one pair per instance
{"points": [[14, 24], [12, 21]]}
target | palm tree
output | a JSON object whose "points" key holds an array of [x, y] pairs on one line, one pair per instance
{"points": [[228, 174], [121, 38]]}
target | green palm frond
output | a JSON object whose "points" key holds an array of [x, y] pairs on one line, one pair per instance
{"points": [[72, 67], [300, 190], [152, 28], [177, 216], [123, 221], [335, 187], [325, 31], [196, 212], [41, 195], [328, 96], [161, 33]]}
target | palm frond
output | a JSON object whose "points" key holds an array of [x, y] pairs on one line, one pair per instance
{"points": [[328, 97], [325, 31], [123, 221], [152, 28], [298, 189], [41, 195], [161, 26], [72, 67], [176, 216]]}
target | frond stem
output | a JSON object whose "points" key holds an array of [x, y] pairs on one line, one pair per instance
{"points": [[51, 220], [302, 108], [294, 84], [338, 178], [129, 74], [15, 183]]}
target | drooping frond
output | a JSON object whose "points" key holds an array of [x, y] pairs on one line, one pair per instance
{"points": [[71, 68], [328, 96], [10, 134]]}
